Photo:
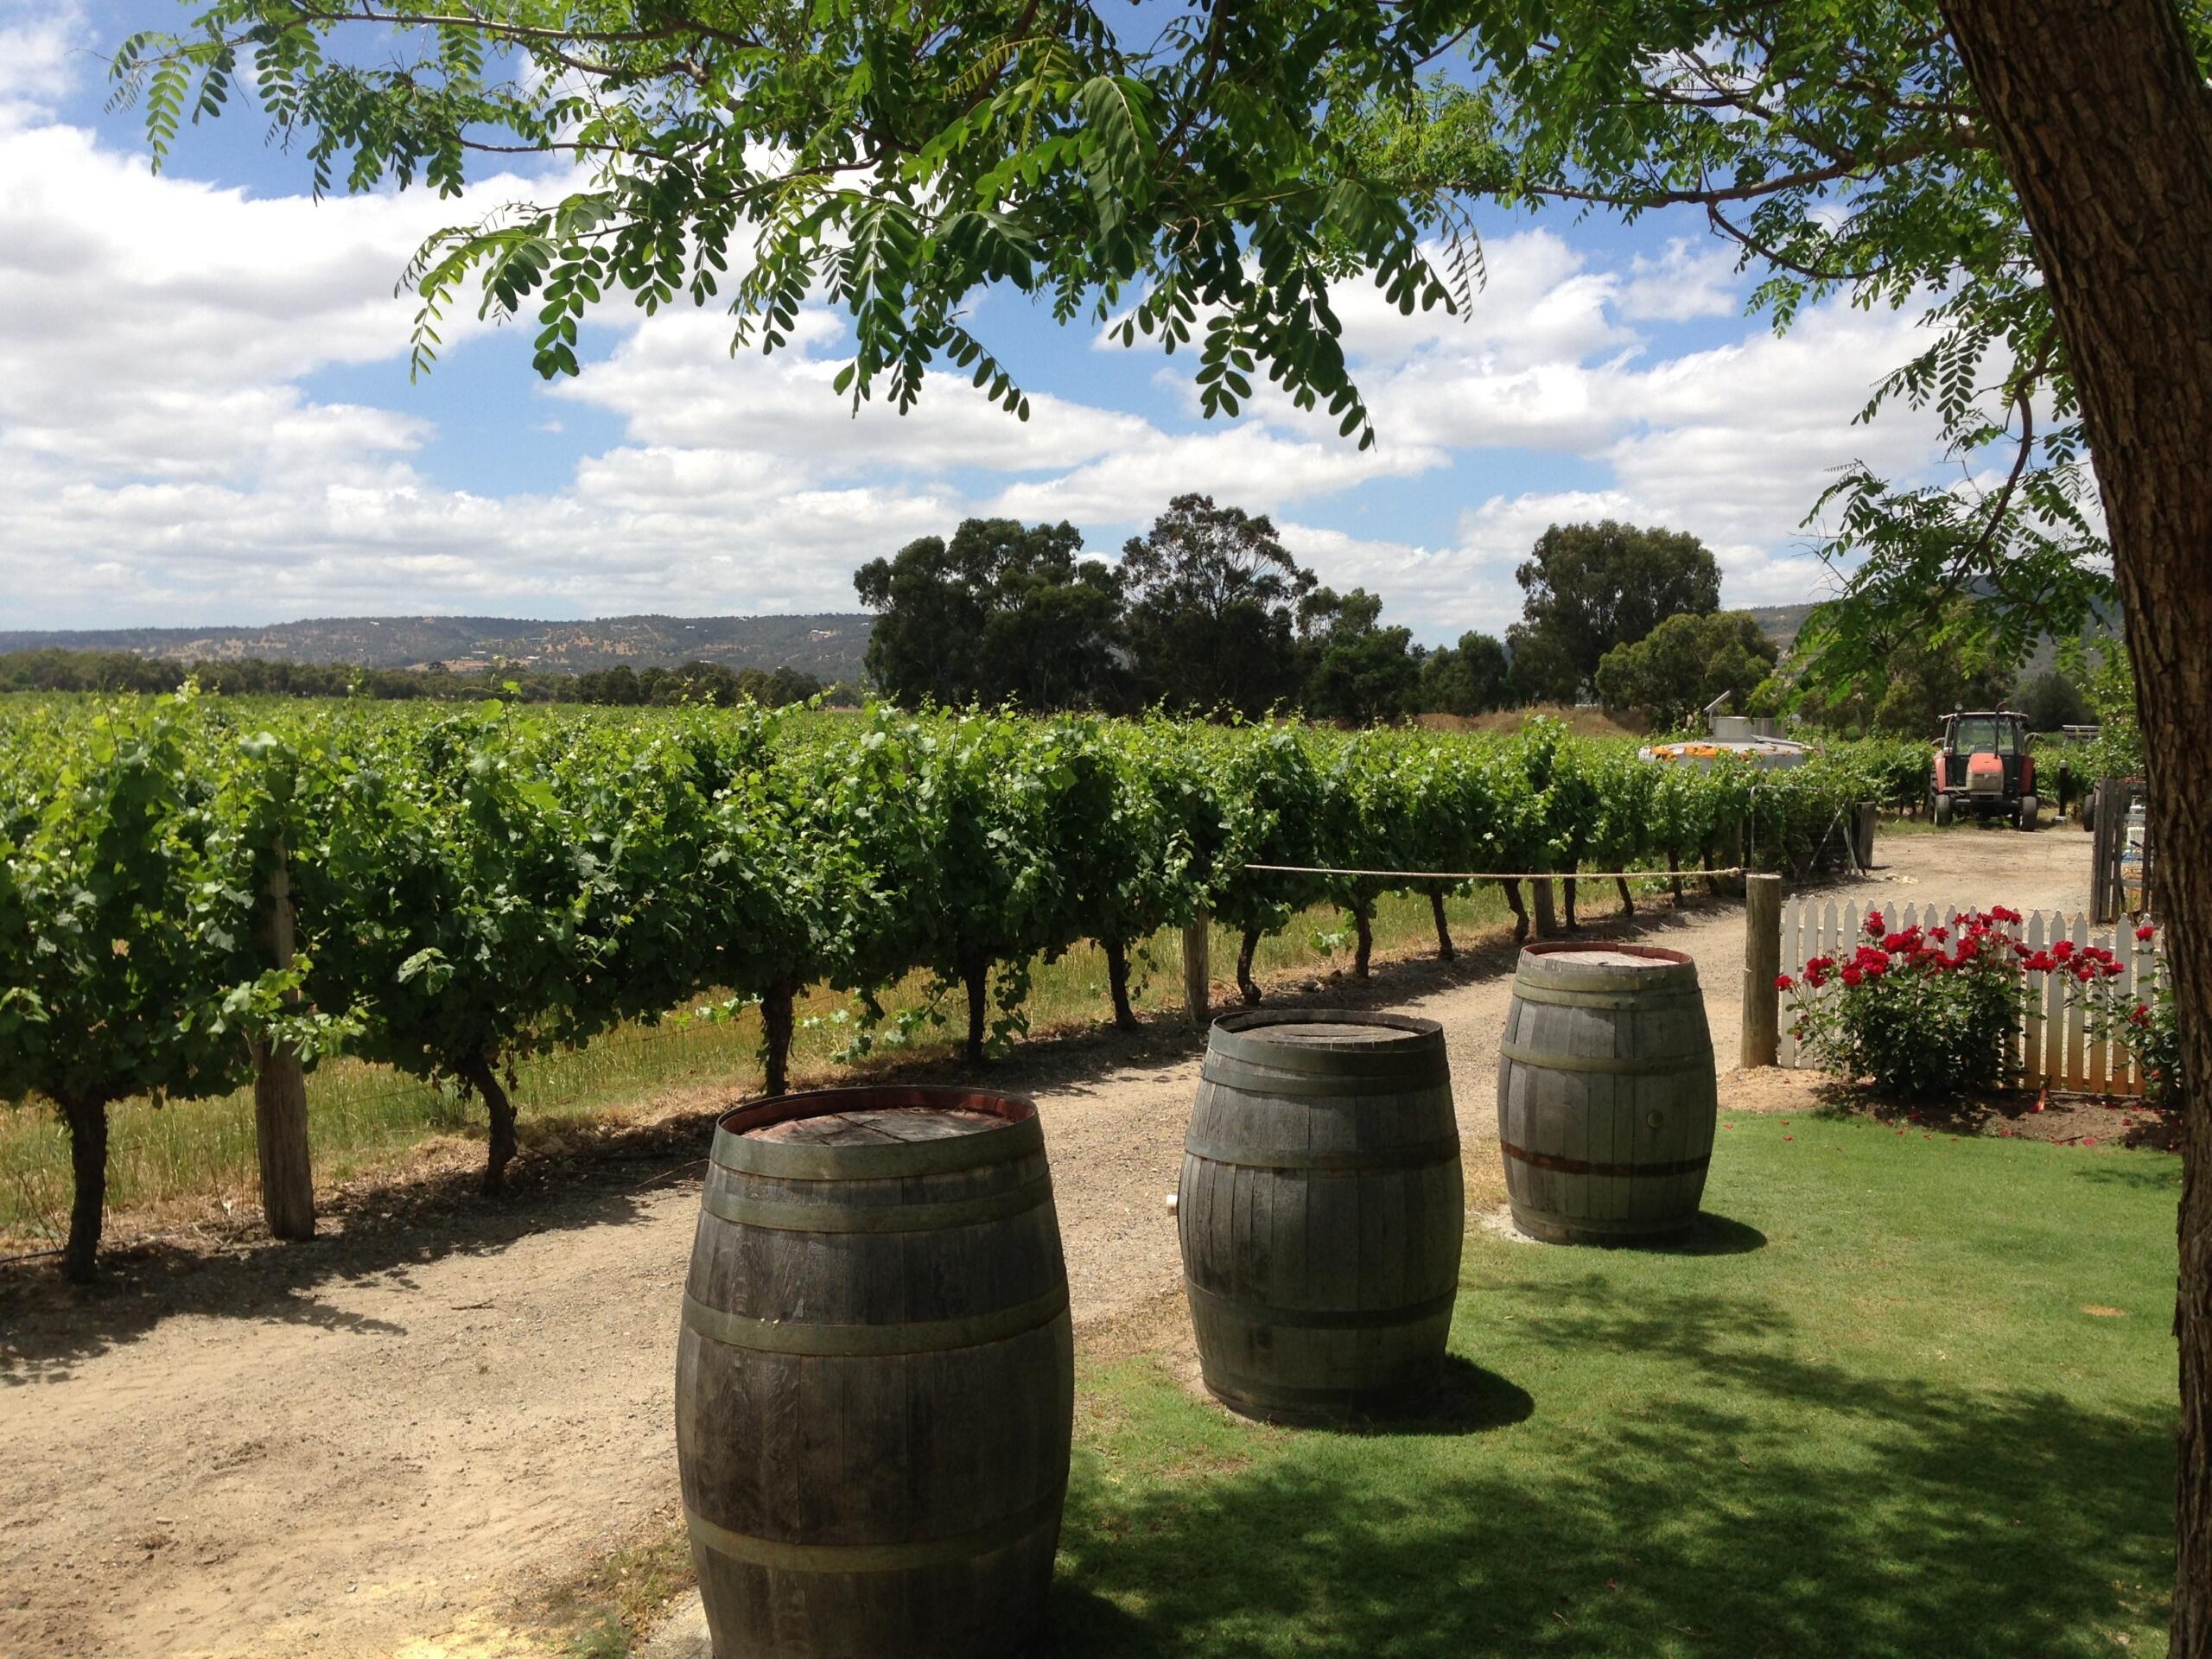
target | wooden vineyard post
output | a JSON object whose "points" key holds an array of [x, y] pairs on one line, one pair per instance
{"points": [[1762, 963], [280, 1095], [1539, 890], [1198, 969]]}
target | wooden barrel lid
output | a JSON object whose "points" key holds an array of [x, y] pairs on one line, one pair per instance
{"points": [[865, 1133], [871, 1128], [1635, 971], [1349, 1051]]}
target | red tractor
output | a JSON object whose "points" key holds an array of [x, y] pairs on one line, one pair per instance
{"points": [[1983, 766]]}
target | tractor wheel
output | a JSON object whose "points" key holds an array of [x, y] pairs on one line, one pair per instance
{"points": [[1942, 810], [2029, 808]]}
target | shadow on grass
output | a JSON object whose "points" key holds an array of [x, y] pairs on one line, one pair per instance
{"points": [[2144, 1175], [1465, 1399], [1709, 1234], [1868, 1517]]}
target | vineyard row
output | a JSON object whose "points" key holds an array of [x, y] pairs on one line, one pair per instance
{"points": [[194, 894]]}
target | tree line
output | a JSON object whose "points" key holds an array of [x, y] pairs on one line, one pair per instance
{"points": [[51, 669], [1209, 613]]}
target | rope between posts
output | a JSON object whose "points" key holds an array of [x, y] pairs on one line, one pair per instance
{"points": [[1494, 875]]}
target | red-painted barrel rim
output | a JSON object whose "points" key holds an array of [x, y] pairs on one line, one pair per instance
{"points": [[768, 1110], [1582, 947]]}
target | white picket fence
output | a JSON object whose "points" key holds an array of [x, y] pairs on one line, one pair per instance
{"points": [[2054, 1045]]}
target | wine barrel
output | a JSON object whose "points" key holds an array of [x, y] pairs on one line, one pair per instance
{"points": [[1321, 1212], [1606, 1093], [875, 1382]]}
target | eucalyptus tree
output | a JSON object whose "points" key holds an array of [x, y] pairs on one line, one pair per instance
{"points": [[2043, 172]]}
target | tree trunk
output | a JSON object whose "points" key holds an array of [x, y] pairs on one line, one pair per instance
{"points": [[1546, 901], [1245, 983], [88, 1121], [976, 974], [1675, 875], [1118, 983], [776, 1023], [1706, 857], [501, 1146], [280, 1091], [2099, 111], [1628, 899], [1567, 891], [1366, 929], [280, 1141], [1512, 890], [1444, 950]]}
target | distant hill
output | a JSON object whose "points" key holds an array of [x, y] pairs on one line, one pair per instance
{"points": [[1779, 623], [828, 647]]}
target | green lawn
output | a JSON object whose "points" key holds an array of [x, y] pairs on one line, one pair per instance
{"points": [[1874, 1416]]}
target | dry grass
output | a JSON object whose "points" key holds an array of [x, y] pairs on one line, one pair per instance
{"points": [[1583, 720], [191, 1164]]}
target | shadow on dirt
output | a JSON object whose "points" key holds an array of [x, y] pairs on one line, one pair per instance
{"points": [[581, 1173]]}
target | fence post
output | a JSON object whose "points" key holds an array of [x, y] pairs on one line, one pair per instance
{"points": [[1197, 967], [280, 1095], [1762, 963]]}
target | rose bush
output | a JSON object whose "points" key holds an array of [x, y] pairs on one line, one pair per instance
{"points": [[1934, 1011], [1920, 1012], [2140, 1021]]}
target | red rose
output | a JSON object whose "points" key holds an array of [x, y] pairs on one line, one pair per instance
{"points": [[2146, 931], [2061, 949], [1784, 982], [1875, 926], [1852, 975]]}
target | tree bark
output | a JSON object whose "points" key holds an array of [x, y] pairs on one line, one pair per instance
{"points": [[1444, 950], [1541, 891], [280, 1091], [1117, 984], [1675, 875], [976, 974], [88, 1121], [2099, 111], [1245, 983], [1566, 892], [1628, 899], [501, 1146], [280, 1141], [1365, 929], [776, 1024], [1512, 890]]}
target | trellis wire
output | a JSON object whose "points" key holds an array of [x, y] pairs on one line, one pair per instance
{"points": [[1493, 875]]}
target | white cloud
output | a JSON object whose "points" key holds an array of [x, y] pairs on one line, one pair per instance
{"points": [[41, 47], [167, 460], [1686, 281]]}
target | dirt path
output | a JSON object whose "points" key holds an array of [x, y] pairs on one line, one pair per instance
{"points": [[364, 1447]]}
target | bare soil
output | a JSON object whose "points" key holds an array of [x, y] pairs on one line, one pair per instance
{"points": [[391, 1440]]}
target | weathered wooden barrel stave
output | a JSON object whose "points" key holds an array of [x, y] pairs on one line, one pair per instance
{"points": [[1321, 1212], [1606, 1093], [876, 1377]]}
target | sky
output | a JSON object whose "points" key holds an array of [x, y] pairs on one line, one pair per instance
{"points": [[207, 417]]}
